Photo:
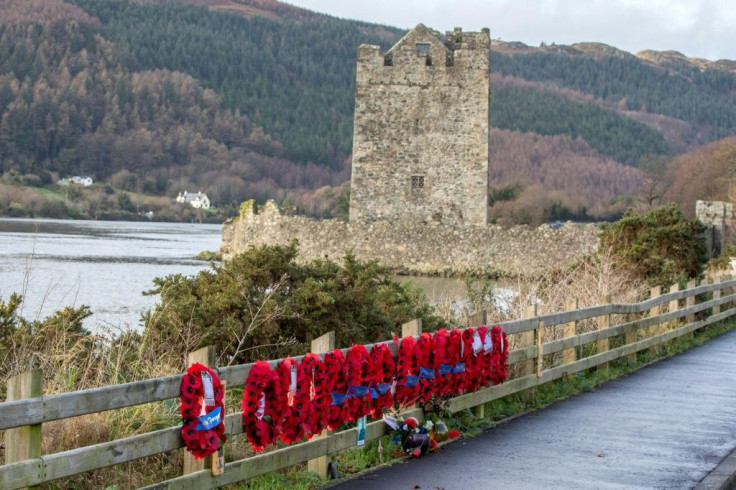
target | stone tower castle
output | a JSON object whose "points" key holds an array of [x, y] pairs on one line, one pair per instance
{"points": [[420, 142]]}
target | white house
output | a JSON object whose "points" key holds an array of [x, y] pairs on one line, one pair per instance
{"points": [[198, 200], [83, 181]]}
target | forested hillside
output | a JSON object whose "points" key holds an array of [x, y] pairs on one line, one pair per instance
{"points": [[705, 98], [254, 99], [295, 79], [705, 174], [536, 178], [545, 112]]}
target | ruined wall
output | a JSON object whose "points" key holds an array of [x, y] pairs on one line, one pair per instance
{"points": [[420, 141], [415, 249], [719, 218]]}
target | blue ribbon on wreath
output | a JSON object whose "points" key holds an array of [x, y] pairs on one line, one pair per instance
{"points": [[379, 389], [210, 420], [358, 391], [410, 381], [353, 392], [427, 374], [444, 369], [338, 398]]}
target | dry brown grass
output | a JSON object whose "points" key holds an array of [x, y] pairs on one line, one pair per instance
{"points": [[590, 282], [71, 361]]}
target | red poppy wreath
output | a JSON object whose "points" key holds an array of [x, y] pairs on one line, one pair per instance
{"points": [[293, 379], [443, 381], [264, 402], [407, 373], [384, 368], [454, 356], [485, 356], [500, 364], [320, 399], [337, 387], [426, 360], [202, 411], [359, 372], [473, 363]]}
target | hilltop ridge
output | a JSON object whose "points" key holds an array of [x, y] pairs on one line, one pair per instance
{"points": [[600, 50]]}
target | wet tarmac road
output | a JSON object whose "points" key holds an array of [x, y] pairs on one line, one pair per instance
{"points": [[665, 426]]}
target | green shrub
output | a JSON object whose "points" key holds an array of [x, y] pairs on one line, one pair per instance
{"points": [[660, 247], [264, 304]]}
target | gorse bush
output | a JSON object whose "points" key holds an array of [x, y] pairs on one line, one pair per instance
{"points": [[265, 304], [46, 344], [660, 247]]}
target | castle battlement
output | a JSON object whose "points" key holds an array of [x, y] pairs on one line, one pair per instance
{"points": [[423, 47]]}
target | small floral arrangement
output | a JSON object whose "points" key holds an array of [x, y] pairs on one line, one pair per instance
{"points": [[413, 438]]}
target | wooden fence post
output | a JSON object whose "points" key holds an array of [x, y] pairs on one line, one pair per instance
{"points": [[716, 295], [205, 356], [603, 323], [630, 338], [674, 306], [24, 443], [727, 291], [570, 330], [539, 334], [690, 301], [325, 343], [656, 291], [412, 328], [526, 339], [476, 319]]}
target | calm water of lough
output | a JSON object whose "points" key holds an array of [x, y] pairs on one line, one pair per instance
{"points": [[105, 265]]}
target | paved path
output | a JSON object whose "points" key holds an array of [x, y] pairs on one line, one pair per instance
{"points": [[665, 426]]}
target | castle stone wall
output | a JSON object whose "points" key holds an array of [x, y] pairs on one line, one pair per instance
{"points": [[420, 135], [719, 218], [416, 249]]}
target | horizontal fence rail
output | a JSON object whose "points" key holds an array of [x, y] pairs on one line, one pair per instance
{"points": [[38, 410]]}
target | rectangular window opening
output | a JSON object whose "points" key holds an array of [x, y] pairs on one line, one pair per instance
{"points": [[417, 182], [423, 49]]}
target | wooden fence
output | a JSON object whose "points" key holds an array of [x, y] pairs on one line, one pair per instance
{"points": [[539, 357]]}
